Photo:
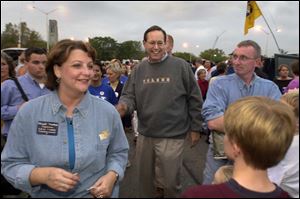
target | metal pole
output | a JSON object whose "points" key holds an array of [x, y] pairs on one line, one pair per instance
{"points": [[279, 50], [47, 33], [267, 45], [47, 23], [267, 40], [20, 35]]}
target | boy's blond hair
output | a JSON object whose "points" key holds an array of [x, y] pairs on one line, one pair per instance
{"points": [[223, 174], [262, 128], [292, 99]]}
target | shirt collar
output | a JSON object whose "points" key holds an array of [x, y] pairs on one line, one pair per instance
{"points": [[82, 107], [242, 84], [162, 59], [29, 77]]}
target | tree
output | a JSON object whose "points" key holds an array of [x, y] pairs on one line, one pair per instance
{"points": [[9, 37], [130, 50], [186, 56], [216, 55], [106, 47], [29, 38]]}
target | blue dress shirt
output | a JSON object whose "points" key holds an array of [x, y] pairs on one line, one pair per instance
{"points": [[229, 88], [11, 97]]}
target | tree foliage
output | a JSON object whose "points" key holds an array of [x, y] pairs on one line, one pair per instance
{"points": [[106, 47], [189, 57], [131, 50], [29, 38], [216, 55]]}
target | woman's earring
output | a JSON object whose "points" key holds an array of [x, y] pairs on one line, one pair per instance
{"points": [[58, 80]]}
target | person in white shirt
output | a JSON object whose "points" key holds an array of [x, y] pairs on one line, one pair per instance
{"points": [[286, 173]]}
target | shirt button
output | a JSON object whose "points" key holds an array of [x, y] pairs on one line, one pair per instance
{"points": [[65, 142]]}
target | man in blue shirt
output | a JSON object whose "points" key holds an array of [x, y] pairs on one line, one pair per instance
{"points": [[226, 90], [32, 83]]}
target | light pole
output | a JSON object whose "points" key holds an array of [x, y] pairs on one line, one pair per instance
{"points": [[259, 28], [217, 38], [186, 46], [20, 35], [47, 22]]}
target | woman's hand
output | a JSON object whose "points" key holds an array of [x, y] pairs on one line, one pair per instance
{"points": [[104, 186], [55, 178]]}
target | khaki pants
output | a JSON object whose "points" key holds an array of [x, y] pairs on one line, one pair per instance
{"points": [[168, 154]]}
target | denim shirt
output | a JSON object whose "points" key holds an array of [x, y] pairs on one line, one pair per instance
{"points": [[227, 89], [11, 97], [38, 138]]}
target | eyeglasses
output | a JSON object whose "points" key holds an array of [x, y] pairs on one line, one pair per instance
{"points": [[242, 58], [158, 43]]}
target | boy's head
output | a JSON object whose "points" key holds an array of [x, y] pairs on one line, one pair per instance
{"points": [[223, 174], [260, 129], [292, 99]]}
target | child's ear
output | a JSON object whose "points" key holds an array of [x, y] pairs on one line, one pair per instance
{"points": [[236, 150]]}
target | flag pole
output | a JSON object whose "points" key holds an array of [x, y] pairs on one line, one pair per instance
{"points": [[280, 51]]}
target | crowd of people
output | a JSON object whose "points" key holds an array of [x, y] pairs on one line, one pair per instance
{"points": [[64, 115]]}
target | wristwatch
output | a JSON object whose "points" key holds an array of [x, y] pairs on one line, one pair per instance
{"points": [[116, 174]]}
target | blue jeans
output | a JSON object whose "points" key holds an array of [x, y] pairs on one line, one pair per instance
{"points": [[212, 165]]}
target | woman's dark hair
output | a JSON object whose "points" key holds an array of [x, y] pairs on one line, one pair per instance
{"points": [[295, 67], [10, 63], [60, 53]]}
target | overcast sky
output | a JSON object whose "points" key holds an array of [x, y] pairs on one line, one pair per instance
{"points": [[196, 23]]}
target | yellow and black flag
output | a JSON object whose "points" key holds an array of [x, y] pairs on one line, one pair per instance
{"points": [[253, 12]]}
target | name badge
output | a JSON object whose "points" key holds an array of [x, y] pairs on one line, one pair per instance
{"points": [[104, 135], [47, 128]]}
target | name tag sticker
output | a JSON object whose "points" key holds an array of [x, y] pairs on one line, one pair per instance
{"points": [[47, 128], [104, 135]]}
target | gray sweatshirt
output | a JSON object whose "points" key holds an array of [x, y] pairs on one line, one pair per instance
{"points": [[166, 96]]}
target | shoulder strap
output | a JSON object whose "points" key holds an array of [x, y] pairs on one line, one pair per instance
{"points": [[24, 96]]}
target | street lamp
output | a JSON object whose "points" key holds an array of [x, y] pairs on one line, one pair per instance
{"points": [[186, 46], [47, 21], [259, 28], [20, 35], [217, 38]]}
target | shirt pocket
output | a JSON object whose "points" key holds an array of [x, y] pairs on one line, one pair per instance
{"points": [[100, 157]]}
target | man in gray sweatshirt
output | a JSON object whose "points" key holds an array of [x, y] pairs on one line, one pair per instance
{"points": [[168, 101]]}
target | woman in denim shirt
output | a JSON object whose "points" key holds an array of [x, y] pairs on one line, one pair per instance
{"points": [[67, 143]]}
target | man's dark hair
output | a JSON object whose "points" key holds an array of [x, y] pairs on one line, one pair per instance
{"points": [[154, 28], [34, 50]]}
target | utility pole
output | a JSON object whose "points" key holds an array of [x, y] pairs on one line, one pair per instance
{"points": [[215, 43]]}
